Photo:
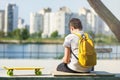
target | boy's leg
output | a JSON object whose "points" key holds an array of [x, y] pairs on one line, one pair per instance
{"points": [[63, 67], [92, 68]]}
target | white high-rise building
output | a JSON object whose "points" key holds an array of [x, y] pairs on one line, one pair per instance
{"points": [[89, 19], [63, 17], [21, 24], [57, 21], [2, 20], [11, 17], [86, 18], [99, 27], [52, 26], [46, 29], [62, 20], [36, 23], [48, 19]]}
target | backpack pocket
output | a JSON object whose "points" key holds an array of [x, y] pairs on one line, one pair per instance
{"points": [[87, 60]]}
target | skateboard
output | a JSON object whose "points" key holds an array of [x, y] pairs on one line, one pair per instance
{"points": [[11, 69]]}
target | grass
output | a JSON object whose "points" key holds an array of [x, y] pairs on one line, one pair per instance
{"points": [[33, 40]]}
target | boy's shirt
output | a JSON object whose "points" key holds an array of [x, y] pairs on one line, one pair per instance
{"points": [[71, 41]]}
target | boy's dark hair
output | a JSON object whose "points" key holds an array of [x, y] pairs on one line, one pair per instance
{"points": [[76, 23]]}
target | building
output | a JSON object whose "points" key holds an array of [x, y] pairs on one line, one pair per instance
{"points": [[57, 21], [21, 24], [62, 20], [45, 10], [36, 23], [46, 24], [52, 23], [2, 12], [86, 18], [63, 17], [11, 17], [48, 18]]}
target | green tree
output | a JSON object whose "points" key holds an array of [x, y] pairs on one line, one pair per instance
{"points": [[9, 34], [1, 34], [91, 33], [16, 33], [36, 35], [24, 34], [54, 34], [21, 34], [40, 34]]}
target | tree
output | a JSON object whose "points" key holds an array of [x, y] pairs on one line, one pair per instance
{"points": [[16, 33], [21, 34], [1, 34], [92, 34], [40, 34], [107, 16], [54, 34], [24, 34]]}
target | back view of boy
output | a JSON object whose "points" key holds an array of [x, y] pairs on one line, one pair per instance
{"points": [[70, 63]]}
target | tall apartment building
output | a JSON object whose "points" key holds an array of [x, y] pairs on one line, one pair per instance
{"points": [[46, 29], [63, 17], [52, 24], [37, 20], [11, 17], [21, 24], [87, 19], [62, 20], [36, 23], [57, 21], [99, 26], [48, 19], [2, 12], [92, 22]]}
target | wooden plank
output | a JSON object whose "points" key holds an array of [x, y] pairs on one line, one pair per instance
{"points": [[92, 74]]}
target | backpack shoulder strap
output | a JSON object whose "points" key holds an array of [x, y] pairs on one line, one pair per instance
{"points": [[86, 35], [79, 35]]}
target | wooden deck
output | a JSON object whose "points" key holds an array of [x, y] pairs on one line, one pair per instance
{"points": [[91, 74]]}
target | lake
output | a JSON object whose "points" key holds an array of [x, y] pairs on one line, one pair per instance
{"points": [[41, 51]]}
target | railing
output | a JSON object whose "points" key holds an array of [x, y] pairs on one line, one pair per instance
{"points": [[54, 51]]}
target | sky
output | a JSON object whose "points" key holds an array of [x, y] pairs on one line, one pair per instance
{"points": [[28, 6]]}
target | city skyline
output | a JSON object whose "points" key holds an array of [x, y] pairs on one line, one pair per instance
{"points": [[43, 21], [28, 6]]}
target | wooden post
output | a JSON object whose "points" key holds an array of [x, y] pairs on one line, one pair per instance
{"points": [[107, 16]]}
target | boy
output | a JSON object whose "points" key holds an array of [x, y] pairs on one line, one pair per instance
{"points": [[70, 63]]}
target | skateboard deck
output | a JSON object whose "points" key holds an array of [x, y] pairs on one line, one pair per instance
{"points": [[93, 74], [11, 69]]}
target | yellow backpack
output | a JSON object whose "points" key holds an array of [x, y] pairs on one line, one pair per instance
{"points": [[87, 54]]}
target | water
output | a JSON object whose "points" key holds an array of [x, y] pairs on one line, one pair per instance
{"points": [[31, 50], [47, 51]]}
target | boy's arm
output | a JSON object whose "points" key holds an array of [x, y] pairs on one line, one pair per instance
{"points": [[66, 58]]}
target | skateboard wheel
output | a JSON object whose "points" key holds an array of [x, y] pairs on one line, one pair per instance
{"points": [[10, 72], [38, 73]]}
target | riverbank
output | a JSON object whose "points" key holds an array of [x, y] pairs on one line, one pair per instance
{"points": [[44, 41], [33, 41]]}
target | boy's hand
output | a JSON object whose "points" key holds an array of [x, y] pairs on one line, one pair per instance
{"points": [[66, 60]]}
